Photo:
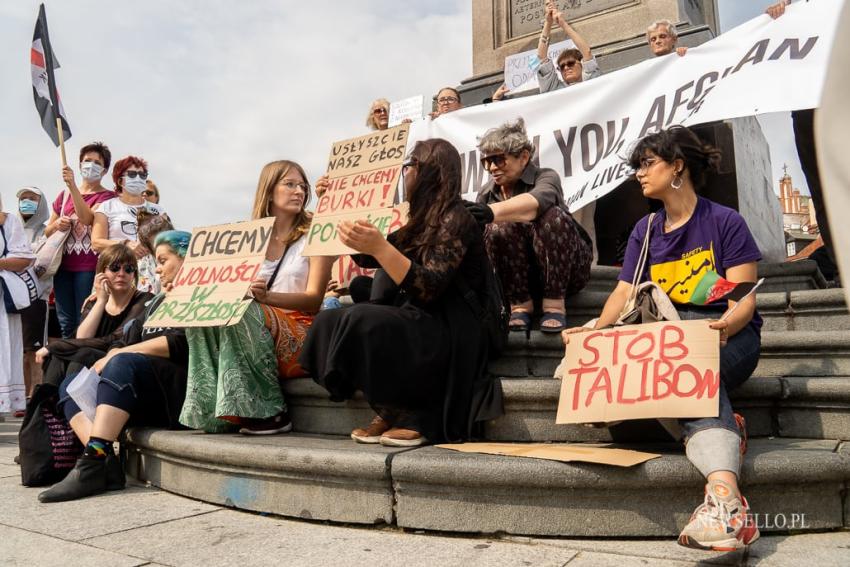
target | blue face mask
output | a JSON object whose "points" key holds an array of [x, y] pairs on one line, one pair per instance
{"points": [[27, 206]]}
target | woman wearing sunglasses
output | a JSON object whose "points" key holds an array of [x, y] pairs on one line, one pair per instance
{"points": [[143, 383], [529, 230], [116, 302], [379, 114], [116, 220]]}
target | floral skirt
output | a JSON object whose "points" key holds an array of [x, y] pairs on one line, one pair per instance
{"points": [[234, 370]]}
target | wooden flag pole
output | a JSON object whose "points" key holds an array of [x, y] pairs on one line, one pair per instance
{"points": [[61, 135]]}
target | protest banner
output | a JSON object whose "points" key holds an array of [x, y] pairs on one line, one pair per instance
{"points": [[521, 68], [344, 270], [655, 370], [584, 131], [412, 108], [209, 290], [363, 173]]}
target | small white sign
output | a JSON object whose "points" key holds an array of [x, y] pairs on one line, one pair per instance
{"points": [[521, 68], [412, 108]]}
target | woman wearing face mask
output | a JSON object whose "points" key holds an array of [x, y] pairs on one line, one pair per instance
{"points": [[73, 281], [117, 221], [143, 382]]}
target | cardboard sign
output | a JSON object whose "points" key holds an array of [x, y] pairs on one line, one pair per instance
{"points": [[565, 453], [666, 369], [521, 68], [344, 270], [209, 290], [363, 176], [412, 108]]}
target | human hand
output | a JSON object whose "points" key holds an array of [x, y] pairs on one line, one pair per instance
{"points": [[361, 236], [138, 248], [550, 13], [723, 327], [68, 178], [680, 51], [331, 290], [101, 287], [407, 121], [565, 334], [101, 363], [41, 354], [500, 92], [259, 290], [482, 213], [433, 114], [322, 185], [63, 224], [776, 10]]}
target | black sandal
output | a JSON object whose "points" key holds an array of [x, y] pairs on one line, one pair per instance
{"points": [[523, 318], [560, 318]]}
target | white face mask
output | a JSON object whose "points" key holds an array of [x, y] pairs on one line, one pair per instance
{"points": [[134, 186], [91, 171]]}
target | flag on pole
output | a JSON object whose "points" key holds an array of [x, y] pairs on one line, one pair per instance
{"points": [[44, 91], [713, 288]]}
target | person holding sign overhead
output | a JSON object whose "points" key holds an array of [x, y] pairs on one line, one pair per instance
{"points": [[234, 370], [379, 114], [417, 351], [142, 383], [528, 225], [696, 247]]}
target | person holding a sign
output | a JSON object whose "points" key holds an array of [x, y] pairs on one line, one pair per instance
{"points": [[419, 355], [448, 100], [379, 114], [528, 225], [75, 215], [698, 251], [662, 38], [142, 383], [234, 369]]}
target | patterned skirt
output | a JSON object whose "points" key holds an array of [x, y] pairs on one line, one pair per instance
{"points": [[234, 370]]}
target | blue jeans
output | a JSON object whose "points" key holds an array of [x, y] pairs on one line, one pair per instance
{"points": [[70, 290], [738, 360]]}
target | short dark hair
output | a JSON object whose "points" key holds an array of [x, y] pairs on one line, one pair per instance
{"points": [[99, 148], [120, 253], [679, 142], [571, 52]]}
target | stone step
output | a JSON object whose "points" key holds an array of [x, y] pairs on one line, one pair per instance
{"points": [[783, 353], [787, 481], [809, 310], [807, 407]]}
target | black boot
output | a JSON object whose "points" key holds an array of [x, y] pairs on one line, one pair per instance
{"points": [[115, 479], [87, 478]]}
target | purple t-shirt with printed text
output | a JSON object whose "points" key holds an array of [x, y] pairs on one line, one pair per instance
{"points": [[78, 255], [714, 238]]}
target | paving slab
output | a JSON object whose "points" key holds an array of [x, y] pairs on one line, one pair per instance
{"points": [[247, 540], [590, 559], [27, 549], [823, 550], [10, 470], [19, 507]]}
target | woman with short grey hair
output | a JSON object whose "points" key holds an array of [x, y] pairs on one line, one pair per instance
{"points": [[529, 226]]}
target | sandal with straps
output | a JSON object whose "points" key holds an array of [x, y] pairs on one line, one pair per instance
{"points": [[520, 321], [559, 318]]}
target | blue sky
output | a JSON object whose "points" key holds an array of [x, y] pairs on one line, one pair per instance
{"points": [[209, 91]]}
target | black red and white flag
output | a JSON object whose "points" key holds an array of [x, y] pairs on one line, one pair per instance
{"points": [[42, 66]]}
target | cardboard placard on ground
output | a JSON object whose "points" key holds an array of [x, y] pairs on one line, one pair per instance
{"points": [[209, 290], [565, 453], [344, 270], [363, 177], [412, 108], [666, 369]]}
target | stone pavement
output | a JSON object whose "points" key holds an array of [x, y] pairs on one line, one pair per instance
{"points": [[146, 526]]}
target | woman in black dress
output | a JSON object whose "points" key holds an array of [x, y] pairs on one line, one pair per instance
{"points": [[417, 351]]}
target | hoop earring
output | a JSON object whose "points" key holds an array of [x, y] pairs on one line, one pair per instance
{"points": [[678, 178]]}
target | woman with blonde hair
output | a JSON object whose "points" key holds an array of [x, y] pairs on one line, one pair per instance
{"points": [[379, 114], [234, 370]]}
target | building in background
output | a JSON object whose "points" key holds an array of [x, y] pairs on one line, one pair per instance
{"points": [[802, 236]]}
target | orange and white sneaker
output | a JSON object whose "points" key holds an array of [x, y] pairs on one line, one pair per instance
{"points": [[722, 522]]}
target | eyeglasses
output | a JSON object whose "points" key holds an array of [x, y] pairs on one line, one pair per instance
{"points": [[134, 174], [293, 185], [496, 159], [115, 267], [447, 100], [567, 65], [646, 163], [379, 111]]}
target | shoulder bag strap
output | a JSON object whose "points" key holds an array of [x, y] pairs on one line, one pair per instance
{"points": [[277, 268], [641, 266]]}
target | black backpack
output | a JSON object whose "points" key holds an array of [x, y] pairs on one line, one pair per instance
{"points": [[493, 311], [49, 448]]}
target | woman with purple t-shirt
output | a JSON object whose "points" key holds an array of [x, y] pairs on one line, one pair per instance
{"points": [[73, 281], [689, 238]]}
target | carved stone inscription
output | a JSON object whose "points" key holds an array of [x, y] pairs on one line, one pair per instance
{"points": [[526, 16]]}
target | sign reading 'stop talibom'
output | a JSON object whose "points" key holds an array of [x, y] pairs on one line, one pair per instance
{"points": [[210, 288], [526, 16], [364, 173]]}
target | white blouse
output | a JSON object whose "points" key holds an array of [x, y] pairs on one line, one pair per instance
{"points": [[294, 270]]}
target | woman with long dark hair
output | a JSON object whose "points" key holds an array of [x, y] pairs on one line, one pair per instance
{"points": [[417, 351]]}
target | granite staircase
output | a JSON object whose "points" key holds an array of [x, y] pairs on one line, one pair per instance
{"points": [[795, 475]]}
